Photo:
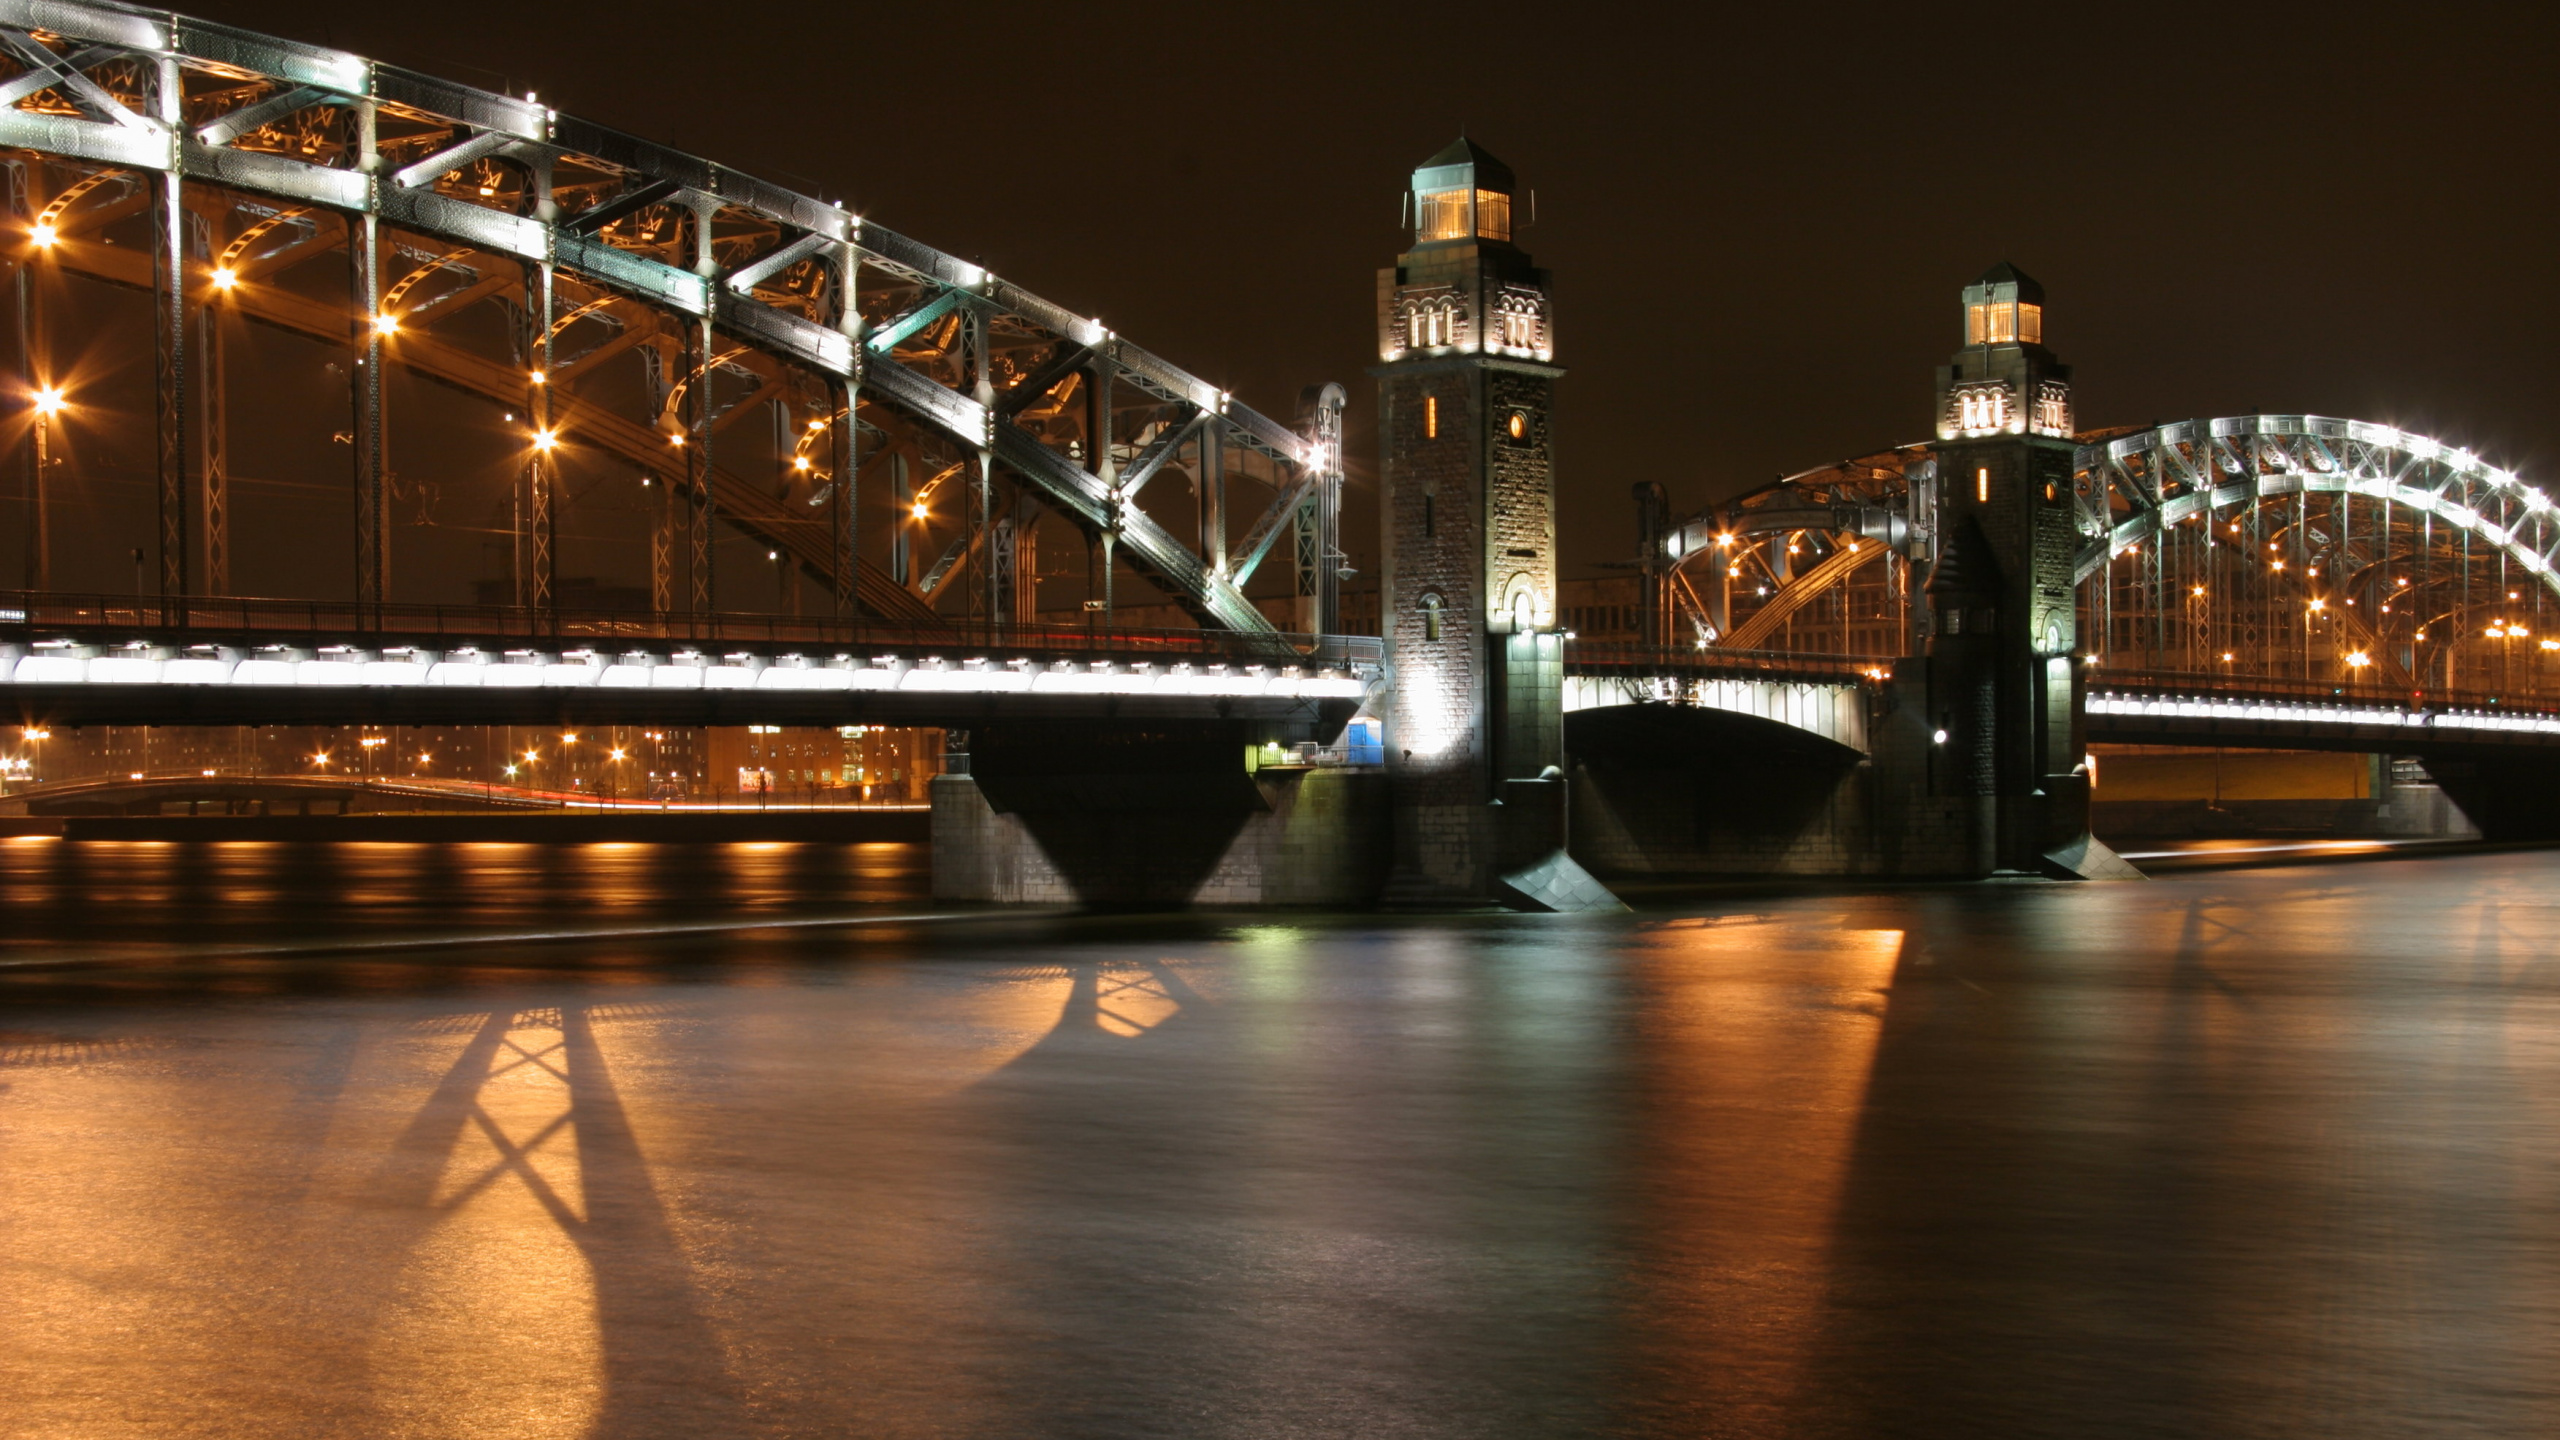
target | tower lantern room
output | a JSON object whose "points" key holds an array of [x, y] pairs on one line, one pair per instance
{"points": [[2004, 381], [1462, 193], [2004, 307]]}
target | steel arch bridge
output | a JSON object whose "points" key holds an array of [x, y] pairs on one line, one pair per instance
{"points": [[896, 423], [2299, 552]]}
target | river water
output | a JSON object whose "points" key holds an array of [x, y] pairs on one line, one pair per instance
{"points": [[402, 1140]]}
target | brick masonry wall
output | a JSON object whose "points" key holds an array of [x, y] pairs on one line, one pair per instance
{"points": [[1434, 530], [1520, 540]]}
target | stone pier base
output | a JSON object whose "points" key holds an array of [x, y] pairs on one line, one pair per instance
{"points": [[1319, 839]]}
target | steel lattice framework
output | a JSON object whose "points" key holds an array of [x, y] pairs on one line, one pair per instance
{"points": [[2305, 546], [885, 365], [1817, 562], [2251, 548]]}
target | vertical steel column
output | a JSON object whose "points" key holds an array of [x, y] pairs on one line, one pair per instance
{"points": [[37, 571], [365, 404], [696, 422], [1098, 425], [901, 523], [698, 414], [843, 559], [662, 545], [364, 254], [169, 336], [987, 598], [1320, 515], [216, 443], [539, 467], [1213, 496]]}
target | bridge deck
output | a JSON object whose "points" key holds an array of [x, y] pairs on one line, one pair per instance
{"points": [[2181, 709], [100, 660]]}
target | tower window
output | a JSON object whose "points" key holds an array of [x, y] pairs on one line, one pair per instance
{"points": [[1445, 215], [1431, 418], [1982, 486], [1431, 617], [1517, 427], [2005, 323]]}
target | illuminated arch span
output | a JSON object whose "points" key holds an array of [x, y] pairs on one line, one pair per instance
{"points": [[2131, 487], [2133, 483], [148, 92]]}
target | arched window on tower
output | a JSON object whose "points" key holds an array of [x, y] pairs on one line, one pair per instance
{"points": [[1431, 617]]}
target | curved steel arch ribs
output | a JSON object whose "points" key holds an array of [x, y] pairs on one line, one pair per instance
{"points": [[1754, 633], [319, 129], [2166, 474]]}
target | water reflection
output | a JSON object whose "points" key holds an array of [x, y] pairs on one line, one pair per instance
{"points": [[2242, 1152]]}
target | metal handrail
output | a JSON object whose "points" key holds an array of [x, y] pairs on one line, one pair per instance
{"points": [[211, 619], [2203, 684], [1636, 655]]}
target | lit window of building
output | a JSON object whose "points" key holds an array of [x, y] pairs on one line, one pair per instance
{"points": [[2006, 322], [1462, 213]]}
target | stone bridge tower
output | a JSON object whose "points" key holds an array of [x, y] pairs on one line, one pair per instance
{"points": [[2003, 680], [1475, 734]]}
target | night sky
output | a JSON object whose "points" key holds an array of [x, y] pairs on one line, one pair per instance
{"points": [[1758, 217]]}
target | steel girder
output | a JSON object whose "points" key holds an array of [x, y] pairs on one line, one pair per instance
{"points": [[616, 213], [2131, 487]]}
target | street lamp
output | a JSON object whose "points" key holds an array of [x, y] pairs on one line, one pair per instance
{"points": [[48, 402]]}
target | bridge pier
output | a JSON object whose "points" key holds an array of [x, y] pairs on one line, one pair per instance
{"points": [[1118, 819], [1475, 724], [2000, 690]]}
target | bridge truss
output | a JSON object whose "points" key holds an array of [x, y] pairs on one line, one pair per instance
{"points": [[2216, 554], [701, 352]]}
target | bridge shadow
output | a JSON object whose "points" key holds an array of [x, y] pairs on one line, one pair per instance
{"points": [[657, 1365]]}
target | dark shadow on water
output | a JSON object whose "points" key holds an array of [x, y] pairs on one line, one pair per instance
{"points": [[662, 1365]]}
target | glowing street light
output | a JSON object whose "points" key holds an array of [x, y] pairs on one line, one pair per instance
{"points": [[43, 234], [546, 440], [2357, 659], [386, 323], [224, 278], [50, 401]]}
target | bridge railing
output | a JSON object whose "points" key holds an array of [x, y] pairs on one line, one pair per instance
{"points": [[2203, 684], [1635, 657], [216, 620]]}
